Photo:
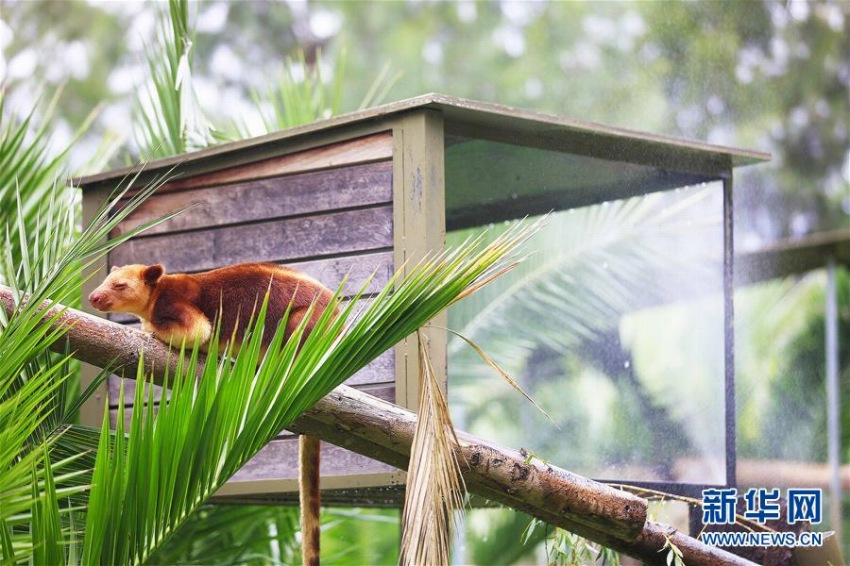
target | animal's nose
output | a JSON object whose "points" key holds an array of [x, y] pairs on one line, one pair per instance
{"points": [[95, 298]]}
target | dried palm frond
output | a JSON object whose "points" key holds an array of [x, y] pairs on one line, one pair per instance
{"points": [[435, 489]]}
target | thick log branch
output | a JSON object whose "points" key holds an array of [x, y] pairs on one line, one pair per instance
{"points": [[383, 431]]}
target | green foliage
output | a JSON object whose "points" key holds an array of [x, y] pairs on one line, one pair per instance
{"points": [[500, 536], [234, 534], [775, 73], [303, 94], [29, 172], [44, 466], [360, 536], [781, 367], [267, 534], [603, 310], [170, 120], [762, 73], [42, 471], [33, 384], [765, 74], [140, 495], [674, 554], [564, 548]]}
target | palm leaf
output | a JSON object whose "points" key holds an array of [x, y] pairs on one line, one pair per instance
{"points": [[593, 273], [32, 382], [583, 273], [35, 400], [303, 94], [41, 258], [169, 119], [234, 534], [434, 491]]}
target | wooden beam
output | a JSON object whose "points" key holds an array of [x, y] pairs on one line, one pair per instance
{"points": [[384, 431]]}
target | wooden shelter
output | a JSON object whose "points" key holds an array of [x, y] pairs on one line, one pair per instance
{"points": [[369, 192]]}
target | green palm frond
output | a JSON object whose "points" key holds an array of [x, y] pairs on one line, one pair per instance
{"points": [[25, 162], [303, 94], [585, 269], [574, 317], [148, 484], [233, 535], [29, 170], [435, 491], [169, 119], [42, 261], [37, 216], [769, 321]]}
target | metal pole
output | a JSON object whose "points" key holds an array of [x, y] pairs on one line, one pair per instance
{"points": [[729, 331], [833, 415]]}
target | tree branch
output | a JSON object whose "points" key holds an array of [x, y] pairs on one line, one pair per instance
{"points": [[383, 431]]}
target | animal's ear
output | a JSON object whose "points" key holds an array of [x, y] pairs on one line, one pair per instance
{"points": [[114, 268], [152, 273]]}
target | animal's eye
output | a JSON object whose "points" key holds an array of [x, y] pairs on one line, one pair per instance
{"points": [[119, 286]]}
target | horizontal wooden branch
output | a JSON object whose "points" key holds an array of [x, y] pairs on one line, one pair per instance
{"points": [[383, 431]]}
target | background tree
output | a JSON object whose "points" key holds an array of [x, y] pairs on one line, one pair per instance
{"points": [[770, 75]]}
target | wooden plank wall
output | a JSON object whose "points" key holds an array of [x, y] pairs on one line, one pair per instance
{"points": [[326, 211]]}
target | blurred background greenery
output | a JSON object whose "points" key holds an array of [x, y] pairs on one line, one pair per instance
{"points": [[766, 75]]}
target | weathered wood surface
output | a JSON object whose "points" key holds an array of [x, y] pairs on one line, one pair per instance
{"points": [[279, 461], [375, 147], [384, 432], [286, 239], [263, 199]]}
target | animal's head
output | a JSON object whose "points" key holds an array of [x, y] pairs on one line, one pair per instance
{"points": [[127, 289]]}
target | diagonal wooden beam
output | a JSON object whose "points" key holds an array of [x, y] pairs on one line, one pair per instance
{"points": [[383, 431]]}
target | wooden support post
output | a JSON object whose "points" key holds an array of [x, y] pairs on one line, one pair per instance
{"points": [[310, 497]]}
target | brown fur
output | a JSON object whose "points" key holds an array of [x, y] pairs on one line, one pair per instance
{"points": [[183, 307]]}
